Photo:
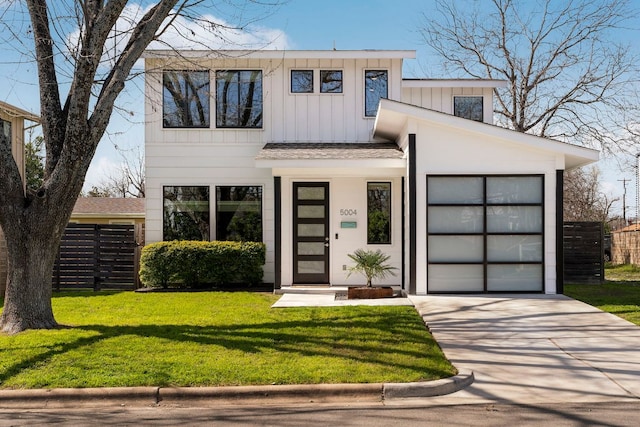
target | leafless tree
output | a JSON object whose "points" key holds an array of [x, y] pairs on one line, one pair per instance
{"points": [[84, 52], [583, 198], [126, 180], [568, 73]]}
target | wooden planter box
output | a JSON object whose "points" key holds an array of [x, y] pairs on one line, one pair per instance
{"points": [[369, 293]]}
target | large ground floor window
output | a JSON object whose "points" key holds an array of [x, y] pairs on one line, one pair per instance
{"points": [[239, 213], [485, 233], [187, 213]]}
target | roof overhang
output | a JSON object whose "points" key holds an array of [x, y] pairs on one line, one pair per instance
{"points": [[279, 54], [393, 117], [427, 83], [314, 155], [13, 111]]}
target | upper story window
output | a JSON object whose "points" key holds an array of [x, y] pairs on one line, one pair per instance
{"points": [[376, 83], [239, 99], [185, 99], [301, 81], [5, 131], [330, 81], [468, 107]]}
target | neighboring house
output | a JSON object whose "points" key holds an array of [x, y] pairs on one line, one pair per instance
{"points": [[108, 210], [12, 129], [625, 245], [319, 153]]}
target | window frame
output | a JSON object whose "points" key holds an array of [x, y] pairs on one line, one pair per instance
{"points": [[390, 213], [218, 102], [469, 97], [320, 74], [207, 213], [368, 113], [293, 80], [218, 204], [207, 97]]}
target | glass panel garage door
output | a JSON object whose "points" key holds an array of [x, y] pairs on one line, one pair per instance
{"points": [[485, 234]]}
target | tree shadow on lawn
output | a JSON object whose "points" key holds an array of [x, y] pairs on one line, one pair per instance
{"points": [[291, 338]]}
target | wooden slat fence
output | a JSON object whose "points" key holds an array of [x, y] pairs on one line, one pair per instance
{"points": [[97, 256], [583, 252]]}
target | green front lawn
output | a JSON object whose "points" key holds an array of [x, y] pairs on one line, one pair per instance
{"points": [[620, 294], [217, 338]]}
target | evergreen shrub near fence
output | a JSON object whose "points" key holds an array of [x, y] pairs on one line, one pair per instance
{"points": [[198, 264]]}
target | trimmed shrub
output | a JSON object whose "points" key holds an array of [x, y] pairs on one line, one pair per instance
{"points": [[195, 264]]}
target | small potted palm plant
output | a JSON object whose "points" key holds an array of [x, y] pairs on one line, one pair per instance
{"points": [[372, 265]]}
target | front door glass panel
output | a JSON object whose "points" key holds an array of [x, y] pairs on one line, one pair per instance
{"points": [[311, 233]]}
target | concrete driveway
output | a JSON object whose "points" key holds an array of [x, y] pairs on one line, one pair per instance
{"points": [[535, 348]]}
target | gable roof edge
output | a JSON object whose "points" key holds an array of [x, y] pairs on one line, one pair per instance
{"points": [[392, 116]]}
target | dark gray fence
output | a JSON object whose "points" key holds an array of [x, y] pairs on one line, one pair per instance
{"points": [[97, 256], [583, 252]]}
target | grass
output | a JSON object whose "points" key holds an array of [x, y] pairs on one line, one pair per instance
{"points": [[620, 294], [217, 338]]}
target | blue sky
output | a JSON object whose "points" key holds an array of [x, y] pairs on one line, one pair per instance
{"points": [[306, 24]]}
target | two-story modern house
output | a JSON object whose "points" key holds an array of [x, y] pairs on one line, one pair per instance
{"points": [[12, 129], [319, 153]]}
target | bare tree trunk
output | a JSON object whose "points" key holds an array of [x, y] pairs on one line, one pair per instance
{"points": [[31, 256]]}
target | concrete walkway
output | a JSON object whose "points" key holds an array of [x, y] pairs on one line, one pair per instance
{"points": [[534, 348]]}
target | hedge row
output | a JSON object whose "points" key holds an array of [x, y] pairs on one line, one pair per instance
{"points": [[194, 264]]}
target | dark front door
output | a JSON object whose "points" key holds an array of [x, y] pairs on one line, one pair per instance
{"points": [[311, 233]]}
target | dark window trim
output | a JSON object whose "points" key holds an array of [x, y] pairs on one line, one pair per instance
{"points": [[164, 238], [469, 96], [341, 81], [216, 201], [292, 80], [390, 242], [207, 126], [386, 70], [226, 70]]}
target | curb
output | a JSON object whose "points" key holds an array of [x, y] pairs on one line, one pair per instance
{"points": [[429, 388], [305, 393]]}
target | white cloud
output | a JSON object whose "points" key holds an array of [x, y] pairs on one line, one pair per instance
{"points": [[100, 169], [202, 32], [210, 32]]}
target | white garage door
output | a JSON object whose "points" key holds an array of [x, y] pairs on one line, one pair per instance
{"points": [[485, 233]]}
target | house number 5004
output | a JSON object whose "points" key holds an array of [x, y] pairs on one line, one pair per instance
{"points": [[348, 212]]}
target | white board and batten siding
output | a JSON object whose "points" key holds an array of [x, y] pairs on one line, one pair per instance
{"points": [[213, 156], [484, 155]]}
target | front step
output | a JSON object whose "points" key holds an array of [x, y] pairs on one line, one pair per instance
{"points": [[324, 289], [310, 290]]}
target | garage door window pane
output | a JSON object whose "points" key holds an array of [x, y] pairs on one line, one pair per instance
{"points": [[454, 190], [455, 248], [514, 278], [514, 190], [512, 219], [460, 278], [454, 219], [514, 248]]}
